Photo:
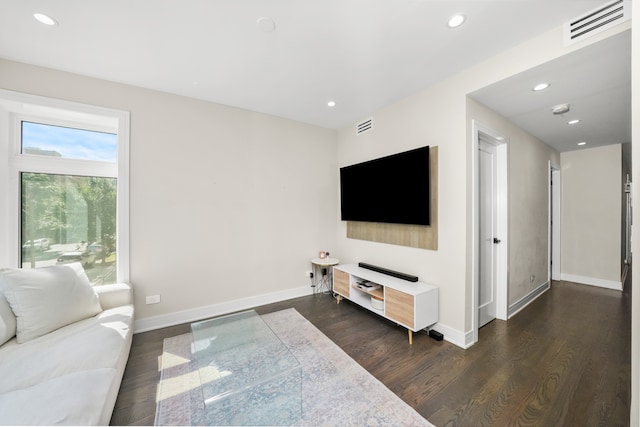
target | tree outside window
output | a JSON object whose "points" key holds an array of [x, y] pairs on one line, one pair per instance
{"points": [[69, 218]]}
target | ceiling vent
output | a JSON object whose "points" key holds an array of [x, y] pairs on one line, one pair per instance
{"points": [[365, 126], [596, 21]]}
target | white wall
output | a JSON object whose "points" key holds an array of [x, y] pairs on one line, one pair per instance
{"points": [[226, 204], [528, 202], [591, 215], [5, 214], [413, 122], [437, 116]]}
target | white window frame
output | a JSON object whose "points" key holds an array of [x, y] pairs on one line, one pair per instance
{"points": [[18, 107]]}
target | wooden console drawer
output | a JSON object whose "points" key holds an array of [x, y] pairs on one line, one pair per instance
{"points": [[341, 282], [399, 307]]}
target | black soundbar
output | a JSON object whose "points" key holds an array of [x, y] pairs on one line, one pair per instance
{"points": [[397, 274]]}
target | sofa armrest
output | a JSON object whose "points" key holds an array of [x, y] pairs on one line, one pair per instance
{"points": [[115, 295]]}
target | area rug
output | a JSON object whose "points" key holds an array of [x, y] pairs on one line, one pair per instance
{"points": [[336, 390]]}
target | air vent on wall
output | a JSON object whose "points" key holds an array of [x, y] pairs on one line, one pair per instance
{"points": [[596, 21], [365, 126]]}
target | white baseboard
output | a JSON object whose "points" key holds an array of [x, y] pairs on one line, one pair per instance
{"points": [[514, 308], [465, 339], [602, 283], [454, 336], [195, 314]]}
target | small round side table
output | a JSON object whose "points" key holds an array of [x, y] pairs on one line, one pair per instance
{"points": [[322, 273]]}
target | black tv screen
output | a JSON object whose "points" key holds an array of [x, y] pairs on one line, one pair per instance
{"points": [[392, 189]]}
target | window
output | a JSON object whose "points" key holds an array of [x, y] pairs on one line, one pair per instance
{"points": [[68, 219], [59, 141], [68, 185]]}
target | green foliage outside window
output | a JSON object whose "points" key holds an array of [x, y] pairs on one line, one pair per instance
{"points": [[70, 214]]}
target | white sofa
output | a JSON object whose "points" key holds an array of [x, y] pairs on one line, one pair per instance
{"points": [[63, 346]]}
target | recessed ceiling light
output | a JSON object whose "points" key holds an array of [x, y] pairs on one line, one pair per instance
{"points": [[266, 25], [45, 19], [331, 104], [582, 143], [456, 21], [573, 122], [541, 86]]}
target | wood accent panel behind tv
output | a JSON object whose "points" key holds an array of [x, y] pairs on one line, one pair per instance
{"points": [[415, 236]]}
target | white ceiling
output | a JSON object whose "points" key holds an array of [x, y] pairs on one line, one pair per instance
{"points": [[594, 81], [364, 54]]}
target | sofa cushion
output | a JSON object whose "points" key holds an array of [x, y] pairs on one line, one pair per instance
{"points": [[7, 320], [100, 341], [47, 298], [73, 399], [114, 295]]}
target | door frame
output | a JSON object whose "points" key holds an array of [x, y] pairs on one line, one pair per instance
{"points": [[555, 209], [502, 212]]}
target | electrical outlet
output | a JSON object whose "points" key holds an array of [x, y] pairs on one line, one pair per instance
{"points": [[153, 299]]}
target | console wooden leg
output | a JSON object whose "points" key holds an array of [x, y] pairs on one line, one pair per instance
{"points": [[410, 336], [339, 298]]}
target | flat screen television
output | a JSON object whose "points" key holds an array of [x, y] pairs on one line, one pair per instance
{"points": [[392, 189]]}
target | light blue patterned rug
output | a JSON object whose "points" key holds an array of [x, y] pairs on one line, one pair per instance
{"points": [[336, 390]]}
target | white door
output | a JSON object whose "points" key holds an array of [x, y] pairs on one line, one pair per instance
{"points": [[555, 224], [487, 174]]}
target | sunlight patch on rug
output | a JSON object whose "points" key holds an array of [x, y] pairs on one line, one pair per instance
{"points": [[171, 387], [169, 360]]}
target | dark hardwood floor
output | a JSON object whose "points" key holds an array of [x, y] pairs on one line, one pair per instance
{"points": [[564, 360]]}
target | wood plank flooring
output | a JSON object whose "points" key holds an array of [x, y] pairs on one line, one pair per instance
{"points": [[564, 360]]}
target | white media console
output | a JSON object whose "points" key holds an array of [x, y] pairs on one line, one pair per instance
{"points": [[413, 305]]}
